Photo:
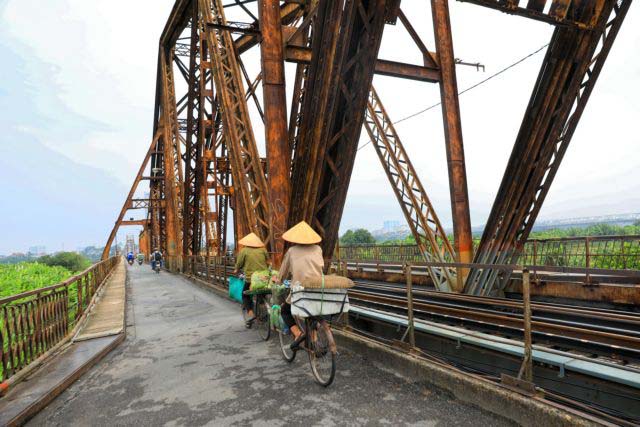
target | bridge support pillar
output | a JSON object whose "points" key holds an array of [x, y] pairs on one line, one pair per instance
{"points": [[276, 136], [463, 244]]}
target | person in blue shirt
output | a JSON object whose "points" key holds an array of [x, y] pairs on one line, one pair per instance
{"points": [[130, 257]]}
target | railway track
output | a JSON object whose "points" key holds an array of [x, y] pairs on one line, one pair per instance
{"points": [[609, 334]]}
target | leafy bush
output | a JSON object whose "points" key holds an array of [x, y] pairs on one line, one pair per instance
{"points": [[26, 276], [357, 237], [70, 260]]}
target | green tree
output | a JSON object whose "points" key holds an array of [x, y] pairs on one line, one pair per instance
{"points": [[70, 260], [357, 237]]}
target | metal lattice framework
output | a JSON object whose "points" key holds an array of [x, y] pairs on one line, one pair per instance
{"points": [[571, 67], [414, 201], [248, 176], [204, 159]]}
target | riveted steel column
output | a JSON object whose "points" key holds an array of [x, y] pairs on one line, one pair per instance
{"points": [[463, 244], [275, 111]]}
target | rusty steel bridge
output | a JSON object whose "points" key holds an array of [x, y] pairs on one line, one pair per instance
{"points": [[554, 320]]}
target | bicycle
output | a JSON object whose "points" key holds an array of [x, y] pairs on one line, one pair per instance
{"points": [[261, 311], [318, 343]]}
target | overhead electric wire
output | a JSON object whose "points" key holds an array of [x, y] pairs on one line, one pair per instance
{"points": [[417, 113]]}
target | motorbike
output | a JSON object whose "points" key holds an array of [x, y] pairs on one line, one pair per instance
{"points": [[130, 261], [139, 262]]}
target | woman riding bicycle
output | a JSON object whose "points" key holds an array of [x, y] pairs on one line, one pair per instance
{"points": [[303, 260], [253, 257]]}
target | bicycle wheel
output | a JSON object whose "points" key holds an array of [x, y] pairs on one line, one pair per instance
{"points": [[286, 338], [322, 354], [263, 324]]}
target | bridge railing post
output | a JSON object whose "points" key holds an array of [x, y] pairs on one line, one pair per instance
{"points": [[410, 324], [526, 370], [587, 255]]}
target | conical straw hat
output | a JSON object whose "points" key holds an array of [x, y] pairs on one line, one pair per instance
{"points": [[301, 233], [251, 240]]}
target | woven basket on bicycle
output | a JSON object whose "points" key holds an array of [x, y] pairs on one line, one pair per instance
{"points": [[328, 282]]}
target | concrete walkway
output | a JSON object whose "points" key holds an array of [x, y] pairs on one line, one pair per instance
{"points": [[188, 360]]}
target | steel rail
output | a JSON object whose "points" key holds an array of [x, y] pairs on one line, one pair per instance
{"points": [[590, 313], [503, 320]]}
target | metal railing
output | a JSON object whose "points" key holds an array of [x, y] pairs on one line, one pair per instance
{"points": [[32, 323], [211, 269], [603, 252]]}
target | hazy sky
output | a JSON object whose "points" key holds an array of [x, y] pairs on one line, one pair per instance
{"points": [[77, 90]]}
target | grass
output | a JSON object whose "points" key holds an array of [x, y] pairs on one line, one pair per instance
{"points": [[27, 276]]}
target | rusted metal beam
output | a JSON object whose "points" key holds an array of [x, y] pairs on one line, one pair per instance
{"points": [[346, 40], [142, 222], [568, 74], [171, 156], [129, 200], [383, 67], [275, 110], [194, 141], [423, 221], [463, 239], [249, 180], [562, 13], [288, 13]]}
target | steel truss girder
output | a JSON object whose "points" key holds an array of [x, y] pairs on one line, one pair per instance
{"points": [[345, 42], [569, 72], [413, 199], [249, 180], [130, 203], [194, 141], [172, 165]]}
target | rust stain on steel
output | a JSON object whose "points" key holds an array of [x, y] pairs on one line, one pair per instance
{"points": [[172, 158], [568, 74], [275, 110], [383, 67], [423, 221], [345, 42], [250, 183], [463, 239]]}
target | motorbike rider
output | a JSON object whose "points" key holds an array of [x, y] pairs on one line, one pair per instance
{"points": [[130, 257], [156, 258]]}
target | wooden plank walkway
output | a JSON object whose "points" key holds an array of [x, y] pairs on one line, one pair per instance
{"points": [[107, 316]]}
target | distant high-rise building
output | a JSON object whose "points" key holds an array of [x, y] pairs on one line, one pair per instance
{"points": [[37, 250], [390, 225]]}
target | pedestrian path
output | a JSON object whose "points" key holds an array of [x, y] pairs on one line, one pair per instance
{"points": [[107, 317], [188, 360]]}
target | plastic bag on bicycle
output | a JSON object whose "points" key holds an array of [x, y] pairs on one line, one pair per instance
{"points": [[306, 302]]}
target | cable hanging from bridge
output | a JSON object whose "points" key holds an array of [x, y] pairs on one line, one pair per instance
{"points": [[481, 82]]}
